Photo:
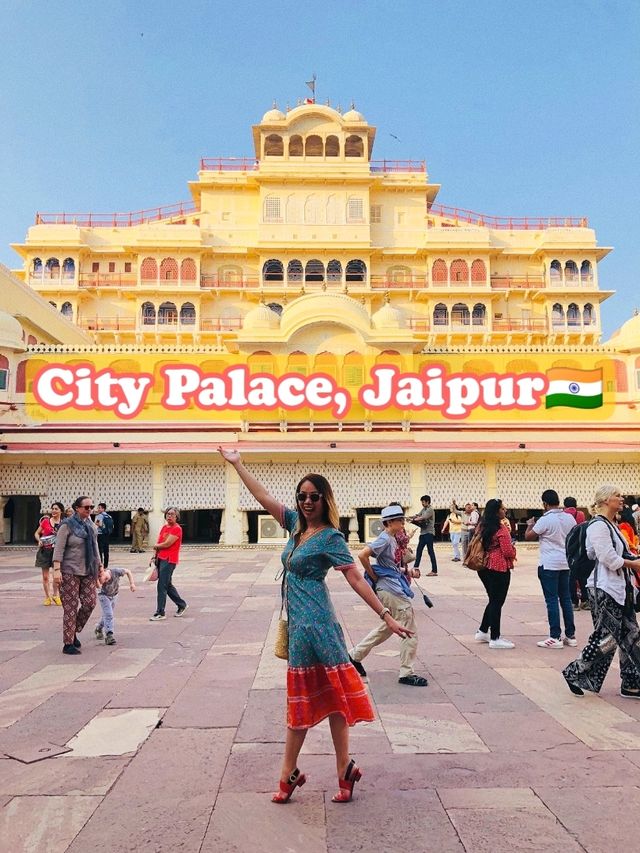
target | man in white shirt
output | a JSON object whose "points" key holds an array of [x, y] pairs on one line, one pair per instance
{"points": [[470, 519], [551, 530]]}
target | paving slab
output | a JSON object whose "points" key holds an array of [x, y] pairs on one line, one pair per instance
{"points": [[114, 732], [122, 663], [81, 776], [23, 697], [430, 728], [35, 824]]}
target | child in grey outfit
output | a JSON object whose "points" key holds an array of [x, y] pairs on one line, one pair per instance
{"points": [[107, 595]]}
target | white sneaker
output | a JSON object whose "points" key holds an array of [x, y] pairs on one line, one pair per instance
{"points": [[570, 641], [482, 637], [551, 643], [501, 643]]}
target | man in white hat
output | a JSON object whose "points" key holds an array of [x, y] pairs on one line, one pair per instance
{"points": [[390, 582]]}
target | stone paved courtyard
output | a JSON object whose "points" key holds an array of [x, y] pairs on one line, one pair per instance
{"points": [[171, 739]]}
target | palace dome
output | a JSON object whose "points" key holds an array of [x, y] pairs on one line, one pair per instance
{"points": [[272, 115], [387, 318], [627, 337], [353, 116], [10, 333], [261, 317]]}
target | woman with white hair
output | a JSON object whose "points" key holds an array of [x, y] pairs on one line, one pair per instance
{"points": [[612, 604]]}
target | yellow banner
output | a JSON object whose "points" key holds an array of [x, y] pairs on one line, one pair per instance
{"points": [[227, 388]]}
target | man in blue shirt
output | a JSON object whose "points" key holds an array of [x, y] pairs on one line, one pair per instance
{"points": [[390, 581]]}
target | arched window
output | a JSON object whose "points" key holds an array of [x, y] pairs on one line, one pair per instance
{"points": [[478, 270], [586, 272], [271, 209], [439, 271], [356, 270], [295, 146], [478, 315], [326, 362], [398, 274], [167, 314], [588, 315], [298, 362], [460, 315], [68, 268], [571, 271], [149, 270], [187, 314], [313, 146], [333, 210], [37, 266], [332, 147], [440, 315], [273, 270], [314, 271], [621, 375], [148, 314], [353, 369], [294, 271], [188, 271], [292, 210], [555, 272], [459, 270], [169, 269], [31, 341], [557, 315], [273, 145], [21, 377], [311, 209], [53, 268], [573, 315], [230, 274], [66, 309], [353, 146], [275, 307], [334, 271]]}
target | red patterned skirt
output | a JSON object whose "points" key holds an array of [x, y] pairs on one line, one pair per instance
{"points": [[315, 692]]}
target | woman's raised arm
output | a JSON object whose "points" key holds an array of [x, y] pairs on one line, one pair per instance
{"points": [[255, 486]]}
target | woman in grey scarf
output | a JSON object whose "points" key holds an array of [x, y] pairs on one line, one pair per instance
{"points": [[77, 569]]}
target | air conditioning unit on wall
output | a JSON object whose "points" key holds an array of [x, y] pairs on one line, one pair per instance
{"points": [[373, 527], [270, 532]]}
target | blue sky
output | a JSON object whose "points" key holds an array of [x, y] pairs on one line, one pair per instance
{"points": [[519, 108]]}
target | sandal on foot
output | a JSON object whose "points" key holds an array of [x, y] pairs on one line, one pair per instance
{"points": [[297, 779], [352, 775], [413, 680]]}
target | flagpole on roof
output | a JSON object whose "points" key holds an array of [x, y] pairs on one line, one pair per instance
{"points": [[312, 85]]}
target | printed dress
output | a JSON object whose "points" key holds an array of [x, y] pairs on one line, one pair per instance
{"points": [[320, 679]]}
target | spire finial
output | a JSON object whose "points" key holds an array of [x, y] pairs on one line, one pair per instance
{"points": [[275, 104], [353, 104]]}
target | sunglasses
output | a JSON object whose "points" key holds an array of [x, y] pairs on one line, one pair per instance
{"points": [[86, 506], [301, 497]]}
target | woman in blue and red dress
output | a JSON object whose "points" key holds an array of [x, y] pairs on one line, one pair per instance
{"points": [[321, 682]]}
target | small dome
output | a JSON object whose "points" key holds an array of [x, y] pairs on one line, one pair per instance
{"points": [[261, 317], [627, 337], [272, 115], [353, 116], [10, 333], [387, 318]]}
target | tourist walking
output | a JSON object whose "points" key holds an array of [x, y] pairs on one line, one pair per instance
{"points": [[470, 519], [104, 525], [321, 681], [389, 579], [167, 550], [612, 597], [76, 568], [45, 536], [140, 530], [578, 586], [500, 554], [107, 596], [551, 530], [425, 520], [453, 525]]}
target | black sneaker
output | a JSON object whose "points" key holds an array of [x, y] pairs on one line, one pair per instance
{"points": [[413, 680], [76, 642], [181, 610], [70, 649], [630, 694], [157, 617], [110, 640], [362, 672]]}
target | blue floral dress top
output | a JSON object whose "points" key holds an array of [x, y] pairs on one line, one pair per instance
{"points": [[320, 679]]}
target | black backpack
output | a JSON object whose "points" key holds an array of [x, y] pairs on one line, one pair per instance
{"points": [[107, 522], [575, 547]]}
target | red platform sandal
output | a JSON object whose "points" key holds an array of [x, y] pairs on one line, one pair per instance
{"points": [[297, 779], [352, 775]]}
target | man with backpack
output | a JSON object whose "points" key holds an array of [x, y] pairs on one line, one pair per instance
{"points": [[551, 531], [578, 588], [104, 523]]}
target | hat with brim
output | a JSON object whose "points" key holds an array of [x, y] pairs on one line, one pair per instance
{"points": [[635, 507], [392, 513]]}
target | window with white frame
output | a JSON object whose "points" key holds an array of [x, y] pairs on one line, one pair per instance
{"points": [[375, 213], [272, 209], [355, 210]]}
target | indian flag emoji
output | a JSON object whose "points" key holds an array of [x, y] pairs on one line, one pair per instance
{"points": [[577, 389]]}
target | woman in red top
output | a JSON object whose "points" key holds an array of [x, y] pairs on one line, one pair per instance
{"points": [[499, 556], [45, 536], [167, 551]]}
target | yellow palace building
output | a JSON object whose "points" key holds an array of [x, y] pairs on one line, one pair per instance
{"points": [[322, 310]]}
